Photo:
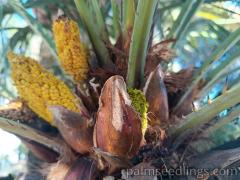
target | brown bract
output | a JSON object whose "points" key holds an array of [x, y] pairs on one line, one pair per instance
{"points": [[41, 152], [118, 126], [111, 162], [176, 84], [57, 171], [157, 53], [178, 81], [156, 95], [74, 128], [17, 110], [83, 169]]}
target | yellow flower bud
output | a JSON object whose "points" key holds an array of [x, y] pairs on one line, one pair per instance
{"points": [[71, 51], [39, 88]]}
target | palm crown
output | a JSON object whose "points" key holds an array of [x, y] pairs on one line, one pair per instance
{"points": [[123, 109]]}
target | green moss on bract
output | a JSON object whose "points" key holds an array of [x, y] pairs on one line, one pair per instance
{"points": [[140, 104]]}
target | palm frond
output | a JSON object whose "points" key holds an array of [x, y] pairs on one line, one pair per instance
{"points": [[217, 73], [94, 33], [205, 114], [181, 24], [224, 47], [139, 41], [116, 18], [128, 14], [25, 131], [34, 24], [233, 114]]}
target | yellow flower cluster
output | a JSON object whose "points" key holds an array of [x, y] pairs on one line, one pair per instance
{"points": [[39, 88], [140, 104], [71, 52]]}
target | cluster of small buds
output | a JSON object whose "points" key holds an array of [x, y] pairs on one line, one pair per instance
{"points": [[72, 53], [39, 88]]}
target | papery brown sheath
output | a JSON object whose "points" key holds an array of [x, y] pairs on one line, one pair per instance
{"points": [[118, 126]]}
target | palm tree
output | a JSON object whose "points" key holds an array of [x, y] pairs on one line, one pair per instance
{"points": [[119, 110]]}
